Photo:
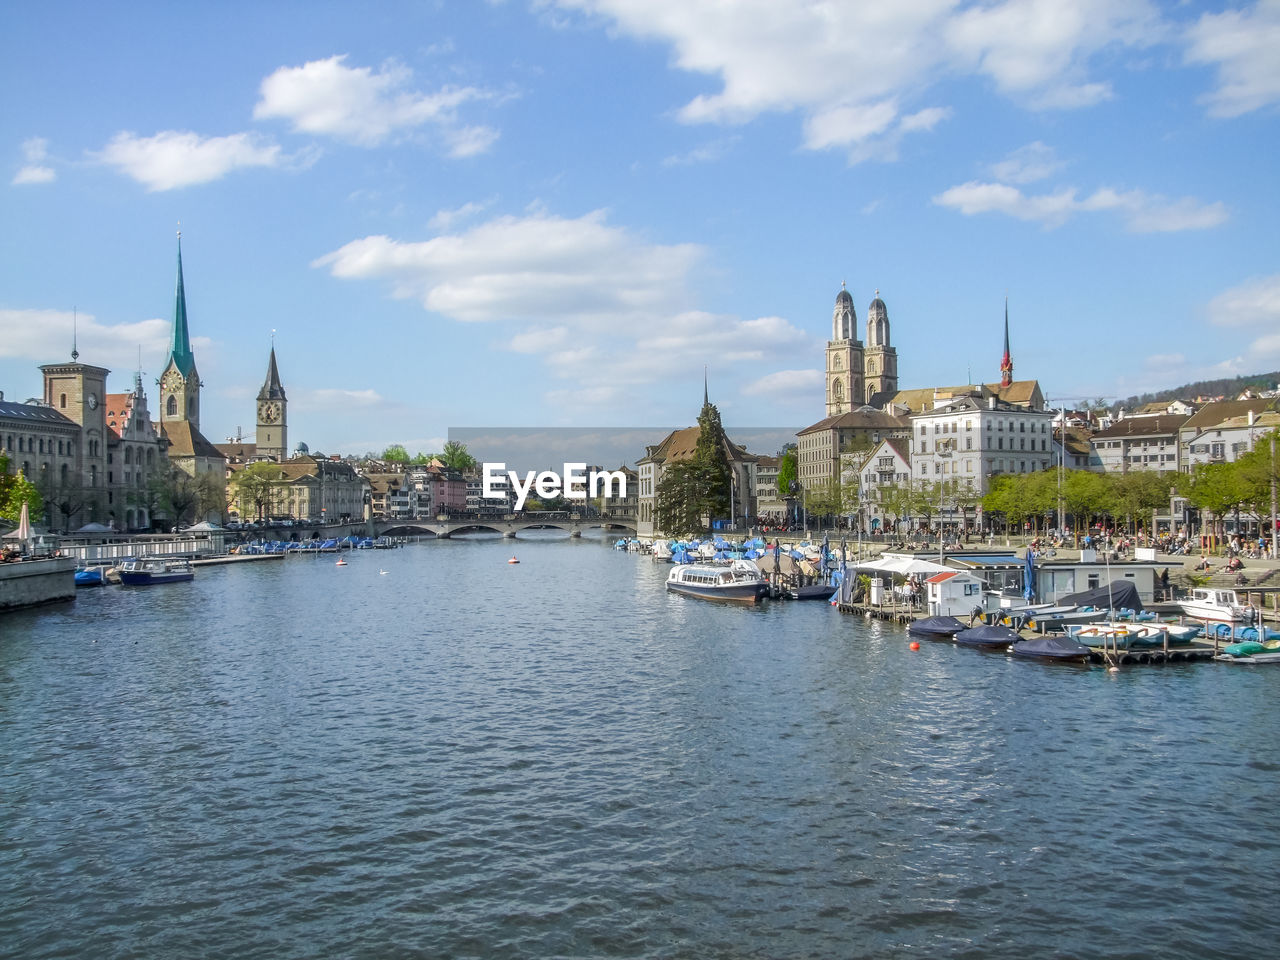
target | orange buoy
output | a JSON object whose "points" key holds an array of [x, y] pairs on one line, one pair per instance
{"points": [[915, 645], [513, 560]]}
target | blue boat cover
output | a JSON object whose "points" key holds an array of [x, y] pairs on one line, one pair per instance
{"points": [[1051, 646], [987, 636]]}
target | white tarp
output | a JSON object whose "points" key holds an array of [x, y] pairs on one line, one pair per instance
{"points": [[904, 565]]}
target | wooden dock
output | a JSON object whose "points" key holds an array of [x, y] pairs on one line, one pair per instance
{"points": [[894, 613]]}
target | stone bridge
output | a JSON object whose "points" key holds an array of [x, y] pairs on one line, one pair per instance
{"points": [[508, 527]]}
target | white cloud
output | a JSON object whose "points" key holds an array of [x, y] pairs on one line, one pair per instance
{"points": [[787, 384], [174, 158], [445, 219], [538, 341], [330, 398], [535, 268], [1254, 303], [364, 107], [848, 68], [706, 153], [1039, 49], [1243, 45], [1143, 212], [602, 308], [38, 334], [1035, 161], [34, 151]]}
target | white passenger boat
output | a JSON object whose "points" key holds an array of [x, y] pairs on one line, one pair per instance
{"points": [[739, 582], [1217, 605]]}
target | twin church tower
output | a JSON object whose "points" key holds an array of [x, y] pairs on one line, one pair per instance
{"points": [[859, 375], [180, 388]]}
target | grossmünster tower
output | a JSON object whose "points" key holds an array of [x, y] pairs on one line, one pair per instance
{"points": [[858, 374]]}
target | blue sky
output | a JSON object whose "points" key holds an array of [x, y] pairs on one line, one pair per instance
{"points": [[556, 213]]}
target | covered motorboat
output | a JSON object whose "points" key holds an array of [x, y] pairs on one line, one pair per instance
{"points": [[1116, 595], [1051, 647], [987, 636], [936, 628]]}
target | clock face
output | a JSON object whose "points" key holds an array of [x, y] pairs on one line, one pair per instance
{"points": [[270, 412]]}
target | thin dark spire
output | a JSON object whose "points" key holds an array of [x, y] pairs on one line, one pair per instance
{"points": [[75, 353]]}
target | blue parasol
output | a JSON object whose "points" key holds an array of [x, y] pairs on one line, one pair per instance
{"points": [[1029, 578]]}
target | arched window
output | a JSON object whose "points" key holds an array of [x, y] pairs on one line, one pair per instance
{"points": [[63, 473], [837, 390], [128, 456], [62, 401], [171, 407]]}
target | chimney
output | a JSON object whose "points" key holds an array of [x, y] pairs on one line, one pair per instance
{"points": [[1251, 418], [991, 402]]}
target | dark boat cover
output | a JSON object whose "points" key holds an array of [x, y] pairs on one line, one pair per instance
{"points": [[815, 591], [1052, 647], [936, 627], [993, 636], [1123, 596]]}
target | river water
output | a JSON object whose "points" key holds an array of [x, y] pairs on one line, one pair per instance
{"points": [[433, 753]]}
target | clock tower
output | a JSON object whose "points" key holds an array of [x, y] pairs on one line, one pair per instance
{"points": [[273, 422]]}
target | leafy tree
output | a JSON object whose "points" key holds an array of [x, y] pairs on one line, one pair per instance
{"points": [[456, 457], [422, 459], [1136, 494], [62, 498], [396, 453], [1219, 488], [15, 490], [258, 489], [1083, 494], [696, 490], [788, 471]]}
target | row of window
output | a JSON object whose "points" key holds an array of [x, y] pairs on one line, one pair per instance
{"points": [[954, 425], [66, 448], [968, 444]]}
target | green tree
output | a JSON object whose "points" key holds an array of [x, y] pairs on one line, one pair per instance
{"points": [[696, 490], [1220, 488], [456, 457], [788, 470], [1136, 494], [15, 490], [257, 490], [62, 500], [396, 453], [1084, 494]]}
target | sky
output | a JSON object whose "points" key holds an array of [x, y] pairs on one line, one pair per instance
{"points": [[560, 213]]}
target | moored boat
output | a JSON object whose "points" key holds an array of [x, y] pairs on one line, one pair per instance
{"points": [[148, 571], [1051, 647], [89, 577], [814, 591], [994, 636], [1217, 605], [935, 628], [738, 582]]}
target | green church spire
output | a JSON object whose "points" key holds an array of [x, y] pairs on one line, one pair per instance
{"points": [[180, 354]]}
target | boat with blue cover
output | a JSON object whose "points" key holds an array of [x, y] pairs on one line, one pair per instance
{"points": [[936, 628], [1053, 646], [90, 577], [994, 636]]}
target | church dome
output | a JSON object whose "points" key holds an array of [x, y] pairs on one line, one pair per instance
{"points": [[844, 297], [301, 449], [877, 308]]}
